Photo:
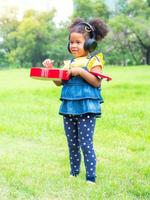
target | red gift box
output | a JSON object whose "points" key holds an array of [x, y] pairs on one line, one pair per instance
{"points": [[48, 74], [102, 76], [57, 74]]}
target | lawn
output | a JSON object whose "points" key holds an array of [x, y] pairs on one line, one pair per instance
{"points": [[33, 150]]}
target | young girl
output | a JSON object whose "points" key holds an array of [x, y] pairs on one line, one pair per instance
{"points": [[81, 95]]}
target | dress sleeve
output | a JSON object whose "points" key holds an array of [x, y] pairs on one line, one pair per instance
{"points": [[96, 60]]}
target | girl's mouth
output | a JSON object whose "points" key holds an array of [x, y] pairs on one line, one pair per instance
{"points": [[74, 51]]}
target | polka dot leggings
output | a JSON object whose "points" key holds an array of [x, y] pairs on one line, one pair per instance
{"points": [[79, 130]]}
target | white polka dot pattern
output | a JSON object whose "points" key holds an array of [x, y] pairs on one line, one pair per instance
{"points": [[79, 131]]}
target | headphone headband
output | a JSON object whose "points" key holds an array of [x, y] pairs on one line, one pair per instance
{"points": [[88, 28]]}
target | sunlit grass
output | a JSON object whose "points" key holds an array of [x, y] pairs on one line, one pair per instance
{"points": [[33, 150]]}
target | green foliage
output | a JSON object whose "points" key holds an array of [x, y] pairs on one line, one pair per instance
{"points": [[130, 32], [36, 37], [124, 49], [122, 6], [33, 37], [87, 9], [8, 27], [58, 51], [34, 156]]}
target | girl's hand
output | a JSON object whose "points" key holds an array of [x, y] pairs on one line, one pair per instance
{"points": [[48, 63], [75, 71]]}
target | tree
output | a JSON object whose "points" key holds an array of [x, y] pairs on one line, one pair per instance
{"points": [[87, 9], [28, 42], [59, 50], [8, 26], [33, 37], [121, 7], [131, 32], [123, 42], [139, 15]]}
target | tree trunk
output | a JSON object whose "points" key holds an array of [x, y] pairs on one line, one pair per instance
{"points": [[146, 48], [148, 56], [132, 53]]}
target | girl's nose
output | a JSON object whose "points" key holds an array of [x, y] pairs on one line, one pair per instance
{"points": [[73, 45]]}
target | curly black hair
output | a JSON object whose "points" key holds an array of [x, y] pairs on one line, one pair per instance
{"points": [[98, 26]]}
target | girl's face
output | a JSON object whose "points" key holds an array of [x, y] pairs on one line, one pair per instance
{"points": [[77, 45]]}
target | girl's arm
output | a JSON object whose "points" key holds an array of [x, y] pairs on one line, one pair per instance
{"points": [[90, 78]]}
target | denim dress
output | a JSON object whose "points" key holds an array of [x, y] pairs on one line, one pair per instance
{"points": [[79, 97]]}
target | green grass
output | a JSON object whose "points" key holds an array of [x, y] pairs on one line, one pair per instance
{"points": [[33, 150]]}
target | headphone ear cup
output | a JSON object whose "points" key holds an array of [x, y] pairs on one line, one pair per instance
{"points": [[86, 46], [68, 47], [90, 45]]}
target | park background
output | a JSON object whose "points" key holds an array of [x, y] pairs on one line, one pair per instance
{"points": [[33, 149], [27, 40]]}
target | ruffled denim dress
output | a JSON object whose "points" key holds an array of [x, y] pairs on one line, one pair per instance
{"points": [[79, 97]]}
